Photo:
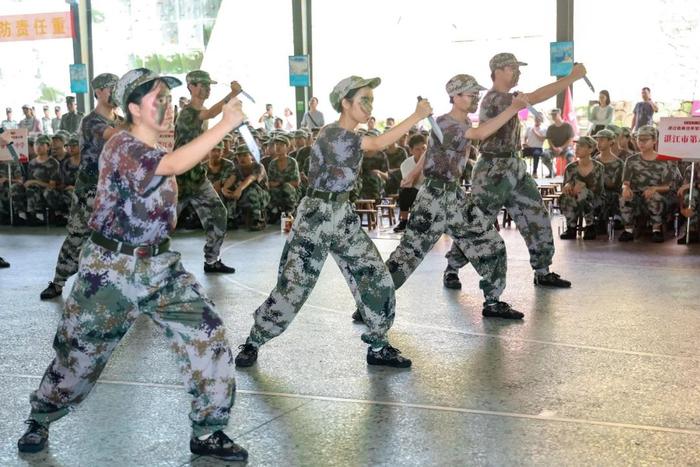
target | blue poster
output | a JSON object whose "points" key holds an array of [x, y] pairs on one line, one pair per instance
{"points": [[78, 78], [561, 58], [299, 71]]}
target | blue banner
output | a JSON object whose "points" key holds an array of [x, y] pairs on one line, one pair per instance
{"points": [[561, 56], [299, 71], [78, 78]]}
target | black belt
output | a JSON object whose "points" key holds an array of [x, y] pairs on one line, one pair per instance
{"points": [[501, 155], [441, 184], [340, 196], [142, 251]]}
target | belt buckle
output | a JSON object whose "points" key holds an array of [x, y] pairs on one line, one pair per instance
{"points": [[143, 251]]}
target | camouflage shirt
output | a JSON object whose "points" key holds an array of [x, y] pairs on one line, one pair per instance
{"points": [[70, 121], [593, 180], [225, 171], [15, 170], [69, 172], [47, 171], [289, 174], [376, 161], [335, 159], [686, 173], [642, 174], [446, 162], [187, 127], [507, 138], [256, 169], [133, 204], [396, 157], [92, 141], [302, 155], [613, 173]]}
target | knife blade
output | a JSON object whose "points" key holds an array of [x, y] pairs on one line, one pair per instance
{"points": [[248, 96], [247, 136], [435, 128]]}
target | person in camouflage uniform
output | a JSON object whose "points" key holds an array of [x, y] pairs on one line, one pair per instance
{"points": [[127, 269], [301, 155], [375, 172], [69, 172], [219, 172], [95, 129], [647, 184], [610, 202], [441, 205], [70, 121], [193, 186], [249, 188], [326, 223], [283, 179], [582, 191], [689, 208], [43, 180], [501, 178], [395, 155], [10, 171]]}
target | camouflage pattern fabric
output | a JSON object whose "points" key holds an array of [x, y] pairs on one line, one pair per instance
{"points": [[507, 138], [39, 197], [284, 198], [70, 121], [19, 201], [91, 143], [373, 185], [111, 291], [505, 182], [187, 127], [467, 172], [394, 159], [212, 214], [435, 212], [446, 161], [256, 197], [78, 232], [587, 202], [610, 201], [335, 159], [547, 159], [321, 228], [642, 174], [225, 171]]}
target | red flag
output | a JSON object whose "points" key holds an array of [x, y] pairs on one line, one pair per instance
{"points": [[569, 112]]}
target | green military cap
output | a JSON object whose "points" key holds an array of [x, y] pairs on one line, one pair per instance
{"points": [[625, 131], [104, 80], [647, 130], [614, 128], [279, 138], [503, 60], [348, 84], [62, 135], [73, 140], [587, 141], [42, 139], [135, 78], [462, 83], [31, 139], [373, 132], [299, 134], [70, 99], [219, 145], [228, 137], [241, 149], [199, 76], [605, 134]]}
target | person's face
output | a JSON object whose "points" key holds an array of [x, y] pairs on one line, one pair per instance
{"points": [[280, 148], [227, 146], [603, 144], [313, 103], [300, 142], [46, 112], [602, 99], [583, 151], [418, 150], [623, 141], [359, 108], [371, 122], [70, 106], [215, 154], [27, 111], [183, 102], [645, 143], [73, 149], [509, 74], [390, 122], [41, 149], [151, 111], [9, 115], [57, 112], [538, 121], [201, 90], [466, 101], [278, 124], [245, 159], [268, 109], [104, 97], [645, 94], [57, 145]]}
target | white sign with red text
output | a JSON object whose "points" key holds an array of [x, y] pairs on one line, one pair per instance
{"points": [[20, 142], [679, 138], [166, 140]]}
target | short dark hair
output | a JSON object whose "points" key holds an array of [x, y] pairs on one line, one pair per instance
{"points": [[645, 88], [415, 140], [349, 95], [607, 96], [136, 97]]}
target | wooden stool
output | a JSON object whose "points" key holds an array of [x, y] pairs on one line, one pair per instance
{"points": [[387, 211], [367, 212]]}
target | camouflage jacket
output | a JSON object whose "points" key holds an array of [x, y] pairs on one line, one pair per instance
{"points": [[289, 174], [594, 180], [187, 127], [642, 174], [335, 159], [613, 173], [47, 171], [447, 161], [225, 171], [507, 138]]}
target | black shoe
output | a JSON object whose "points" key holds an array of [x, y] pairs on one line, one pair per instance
{"points": [[357, 317], [657, 236], [52, 291], [590, 232], [551, 279], [218, 445], [569, 234], [247, 356], [401, 226], [218, 267], [387, 356], [3, 263], [35, 438], [625, 236], [450, 279], [33, 221], [500, 310]]}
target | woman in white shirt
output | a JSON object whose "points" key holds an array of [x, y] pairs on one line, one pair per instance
{"points": [[600, 114]]}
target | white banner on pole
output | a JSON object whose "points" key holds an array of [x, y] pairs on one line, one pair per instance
{"points": [[20, 142], [679, 138]]}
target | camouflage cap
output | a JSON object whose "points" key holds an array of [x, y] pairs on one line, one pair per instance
{"points": [[104, 80], [135, 78], [26, 106], [278, 138], [57, 107], [30, 139], [228, 137], [503, 60], [74, 140], [46, 107], [70, 99], [614, 128], [647, 130], [462, 83], [219, 145], [42, 139], [62, 135], [241, 149], [8, 109], [348, 84], [609, 134], [199, 76], [625, 131], [299, 134], [586, 141]]}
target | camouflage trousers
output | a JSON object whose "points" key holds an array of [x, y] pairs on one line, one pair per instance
{"points": [[321, 228], [40, 198], [78, 232], [609, 205], [284, 198], [393, 183], [505, 182], [638, 205], [548, 161], [254, 199], [19, 199], [585, 205], [372, 187], [111, 291], [694, 206], [212, 213], [452, 212]]}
